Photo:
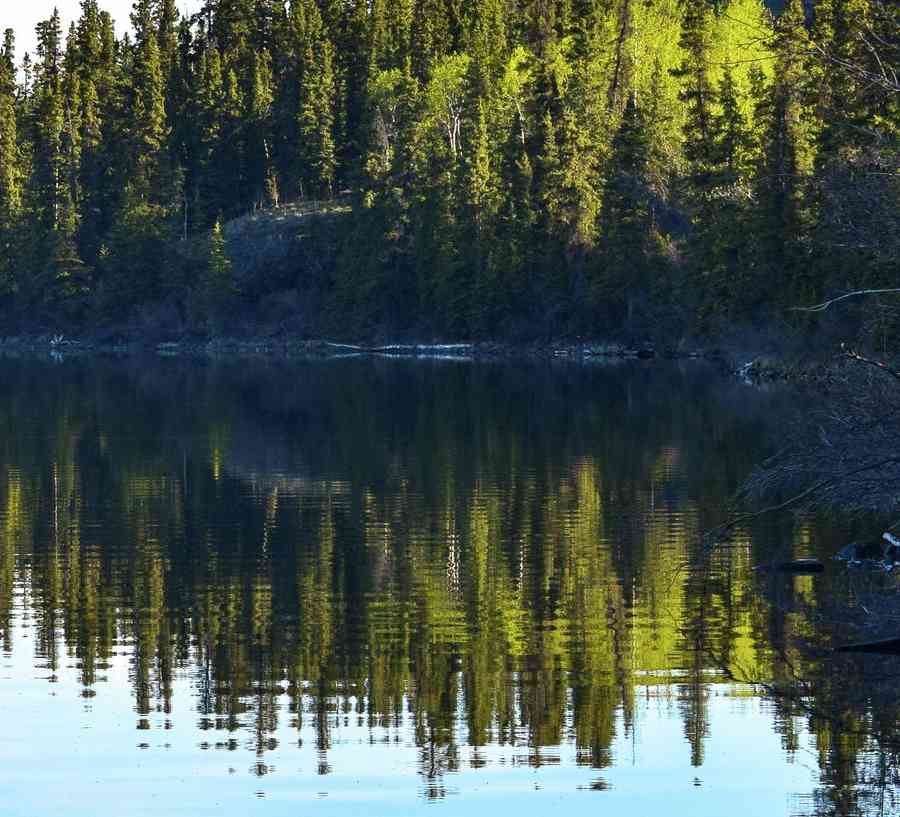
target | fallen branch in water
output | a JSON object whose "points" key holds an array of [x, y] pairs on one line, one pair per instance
{"points": [[878, 364], [715, 536], [404, 348]]}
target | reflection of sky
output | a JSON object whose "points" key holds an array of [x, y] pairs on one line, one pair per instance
{"points": [[61, 754]]}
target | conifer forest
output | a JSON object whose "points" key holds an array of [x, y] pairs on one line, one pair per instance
{"points": [[477, 169]]}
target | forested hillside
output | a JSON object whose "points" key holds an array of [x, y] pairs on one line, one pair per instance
{"points": [[504, 167]]}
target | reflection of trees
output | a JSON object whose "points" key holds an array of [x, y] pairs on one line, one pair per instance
{"points": [[507, 553], [847, 702]]}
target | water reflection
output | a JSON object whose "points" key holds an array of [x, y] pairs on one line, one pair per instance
{"points": [[463, 567]]}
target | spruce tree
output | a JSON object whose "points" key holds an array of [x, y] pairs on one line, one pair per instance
{"points": [[10, 167], [481, 211], [697, 91], [625, 219], [316, 159], [489, 45], [261, 171], [701, 152], [215, 286], [785, 126], [431, 35], [148, 111], [846, 98], [166, 16], [47, 187], [147, 203], [208, 178]]}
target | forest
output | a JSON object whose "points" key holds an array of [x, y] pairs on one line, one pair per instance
{"points": [[493, 168]]}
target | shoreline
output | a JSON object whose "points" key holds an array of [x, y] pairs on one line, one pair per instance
{"points": [[752, 368], [300, 348]]}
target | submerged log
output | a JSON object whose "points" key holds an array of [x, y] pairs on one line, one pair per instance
{"points": [[885, 646], [799, 566], [410, 349], [884, 552]]}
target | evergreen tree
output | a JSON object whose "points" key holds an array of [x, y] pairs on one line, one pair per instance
{"points": [[103, 114], [625, 220], [489, 46], [509, 162], [148, 110], [262, 175], [208, 176], [166, 16], [697, 91], [431, 34], [483, 202], [785, 127], [703, 151], [845, 97], [10, 167], [216, 284], [47, 188], [314, 152], [317, 153], [390, 26]]}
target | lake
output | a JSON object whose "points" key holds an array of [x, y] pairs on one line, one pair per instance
{"points": [[396, 587]]}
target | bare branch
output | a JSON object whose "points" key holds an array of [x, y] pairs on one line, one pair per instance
{"points": [[870, 362], [716, 534], [855, 294]]}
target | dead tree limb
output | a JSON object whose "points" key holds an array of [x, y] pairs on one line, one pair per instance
{"points": [[855, 294], [870, 362]]}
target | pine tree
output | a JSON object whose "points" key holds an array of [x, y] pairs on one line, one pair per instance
{"points": [[845, 97], [262, 175], [148, 110], [732, 137], [171, 59], [390, 33], [216, 285], [231, 149], [482, 205], [145, 206], [785, 125], [47, 176], [206, 175], [103, 111], [625, 219], [857, 145], [90, 42], [316, 158], [166, 16], [489, 46], [702, 152], [10, 170], [10, 167], [697, 92], [355, 56], [728, 249], [431, 35]]}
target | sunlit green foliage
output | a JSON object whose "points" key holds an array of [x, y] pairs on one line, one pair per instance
{"points": [[481, 147]]}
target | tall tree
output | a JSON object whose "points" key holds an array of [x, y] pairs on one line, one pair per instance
{"points": [[316, 158], [785, 125], [148, 110], [10, 166], [625, 220]]}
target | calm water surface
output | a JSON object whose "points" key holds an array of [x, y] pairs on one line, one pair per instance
{"points": [[394, 587]]}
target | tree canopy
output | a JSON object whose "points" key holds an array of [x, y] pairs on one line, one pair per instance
{"points": [[507, 166]]}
